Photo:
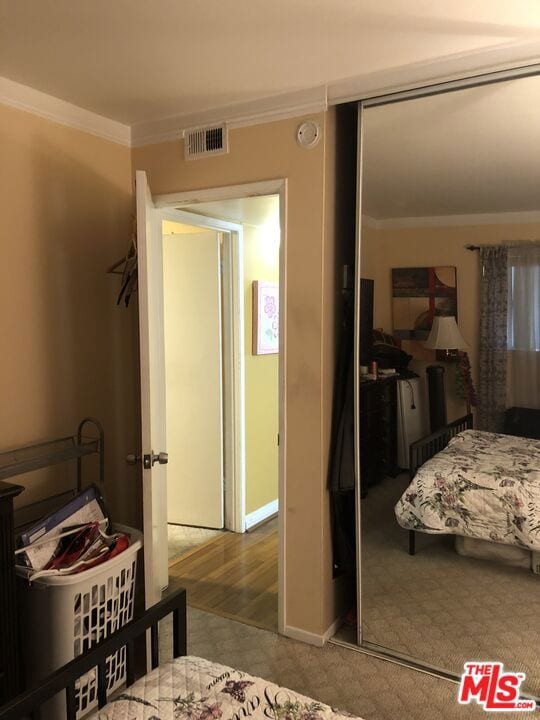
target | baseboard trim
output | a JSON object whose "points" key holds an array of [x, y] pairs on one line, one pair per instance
{"points": [[312, 638], [263, 513], [303, 636], [333, 628]]}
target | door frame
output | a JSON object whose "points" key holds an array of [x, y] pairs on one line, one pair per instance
{"points": [[233, 360], [278, 187]]}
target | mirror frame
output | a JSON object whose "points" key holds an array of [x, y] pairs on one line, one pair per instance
{"points": [[375, 100]]}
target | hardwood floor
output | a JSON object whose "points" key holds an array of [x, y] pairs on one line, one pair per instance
{"points": [[236, 576]]}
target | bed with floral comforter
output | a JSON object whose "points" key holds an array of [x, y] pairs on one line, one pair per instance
{"points": [[191, 688], [482, 485]]}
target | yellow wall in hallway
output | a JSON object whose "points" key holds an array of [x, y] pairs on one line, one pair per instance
{"points": [[261, 262]]}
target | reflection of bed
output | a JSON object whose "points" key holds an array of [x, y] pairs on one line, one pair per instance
{"points": [[189, 688], [474, 484]]}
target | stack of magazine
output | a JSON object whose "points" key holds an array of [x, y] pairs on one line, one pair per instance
{"points": [[76, 537]]}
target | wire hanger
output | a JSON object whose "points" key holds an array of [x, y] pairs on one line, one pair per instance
{"points": [[127, 268]]}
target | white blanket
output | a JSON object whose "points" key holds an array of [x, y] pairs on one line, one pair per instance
{"points": [[191, 688], [482, 485]]}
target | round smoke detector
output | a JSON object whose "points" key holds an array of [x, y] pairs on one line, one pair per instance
{"points": [[308, 134]]}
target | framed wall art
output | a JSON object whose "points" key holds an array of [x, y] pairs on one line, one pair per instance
{"points": [[265, 318], [418, 294]]}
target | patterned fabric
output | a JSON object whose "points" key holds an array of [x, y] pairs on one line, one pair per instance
{"points": [[493, 338], [191, 688], [482, 485]]}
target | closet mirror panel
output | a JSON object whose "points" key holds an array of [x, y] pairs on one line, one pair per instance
{"points": [[441, 173]]}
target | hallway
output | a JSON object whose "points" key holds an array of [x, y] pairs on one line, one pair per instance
{"points": [[235, 576]]}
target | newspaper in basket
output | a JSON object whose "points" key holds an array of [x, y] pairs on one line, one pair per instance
{"points": [[65, 615]]}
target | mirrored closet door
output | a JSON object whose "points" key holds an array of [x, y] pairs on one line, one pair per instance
{"points": [[449, 549]]}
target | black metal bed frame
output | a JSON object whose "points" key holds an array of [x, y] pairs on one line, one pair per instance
{"points": [[28, 703], [425, 448]]}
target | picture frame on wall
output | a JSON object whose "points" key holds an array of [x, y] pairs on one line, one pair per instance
{"points": [[418, 294], [265, 340]]}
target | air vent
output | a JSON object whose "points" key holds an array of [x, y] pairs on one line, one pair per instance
{"points": [[203, 141]]}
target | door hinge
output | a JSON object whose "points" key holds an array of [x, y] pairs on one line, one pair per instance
{"points": [[278, 439]]}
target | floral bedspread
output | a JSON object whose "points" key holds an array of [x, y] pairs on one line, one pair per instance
{"points": [[191, 688], [482, 485]]}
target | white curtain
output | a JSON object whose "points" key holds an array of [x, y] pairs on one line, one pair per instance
{"points": [[523, 371]]}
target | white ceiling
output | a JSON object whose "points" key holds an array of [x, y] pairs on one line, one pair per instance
{"points": [[140, 60], [466, 152], [261, 210]]}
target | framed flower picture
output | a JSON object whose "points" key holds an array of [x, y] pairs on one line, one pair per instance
{"points": [[265, 318]]}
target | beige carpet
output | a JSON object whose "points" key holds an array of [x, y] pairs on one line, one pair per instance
{"points": [[359, 684], [183, 539], [440, 607]]}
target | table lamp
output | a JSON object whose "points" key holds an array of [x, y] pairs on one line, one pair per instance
{"points": [[446, 338]]}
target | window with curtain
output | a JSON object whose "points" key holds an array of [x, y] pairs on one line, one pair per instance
{"points": [[523, 336]]}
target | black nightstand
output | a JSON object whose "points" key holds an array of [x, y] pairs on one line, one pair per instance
{"points": [[378, 431]]}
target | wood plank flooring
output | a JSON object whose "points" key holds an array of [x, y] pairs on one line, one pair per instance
{"points": [[235, 576]]}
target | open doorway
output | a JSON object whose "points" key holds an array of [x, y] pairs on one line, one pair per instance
{"points": [[221, 268]]}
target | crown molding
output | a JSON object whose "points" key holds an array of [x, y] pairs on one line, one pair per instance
{"points": [[501, 218], [256, 112], [457, 66], [505, 56], [59, 111]]}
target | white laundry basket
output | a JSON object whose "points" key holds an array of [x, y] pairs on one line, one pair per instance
{"points": [[63, 616]]}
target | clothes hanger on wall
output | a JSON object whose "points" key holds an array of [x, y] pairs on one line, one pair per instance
{"points": [[127, 268]]}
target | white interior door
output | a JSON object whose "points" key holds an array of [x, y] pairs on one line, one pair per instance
{"points": [[194, 377], [152, 360]]}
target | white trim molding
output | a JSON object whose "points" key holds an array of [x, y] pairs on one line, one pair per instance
{"points": [[262, 514], [303, 636], [503, 56], [256, 112], [59, 111], [312, 638], [229, 192], [456, 66]]}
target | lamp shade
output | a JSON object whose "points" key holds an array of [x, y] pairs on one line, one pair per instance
{"points": [[445, 334]]}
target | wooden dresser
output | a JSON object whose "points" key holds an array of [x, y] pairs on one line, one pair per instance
{"points": [[378, 431], [9, 636]]}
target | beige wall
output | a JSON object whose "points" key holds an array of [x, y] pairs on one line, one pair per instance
{"points": [[383, 249], [266, 152], [261, 262], [67, 351]]}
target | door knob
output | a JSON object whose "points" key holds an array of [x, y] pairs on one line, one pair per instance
{"points": [[162, 458], [150, 460]]}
